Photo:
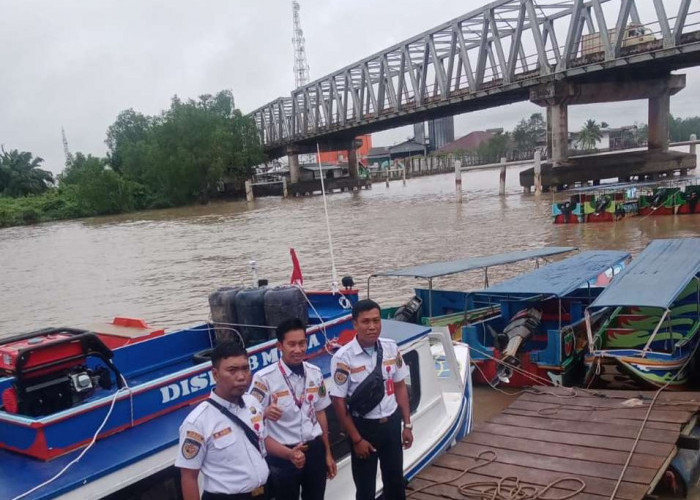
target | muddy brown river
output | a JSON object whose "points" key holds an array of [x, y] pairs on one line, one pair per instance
{"points": [[161, 265]]}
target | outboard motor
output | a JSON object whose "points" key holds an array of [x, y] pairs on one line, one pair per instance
{"points": [[518, 330], [348, 282], [602, 204], [565, 210], [408, 312], [659, 198], [693, 201]]}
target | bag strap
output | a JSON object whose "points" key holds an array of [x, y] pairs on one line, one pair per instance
{"points": [[380, 358], [252, 437]]}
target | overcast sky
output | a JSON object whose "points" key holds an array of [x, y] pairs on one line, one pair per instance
{"points": [[78, 63]]}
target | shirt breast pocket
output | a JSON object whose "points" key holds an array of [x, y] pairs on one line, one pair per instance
{"points": [[224, 448]]}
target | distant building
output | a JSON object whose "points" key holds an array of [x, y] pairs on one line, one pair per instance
{"points": [[469, 142], [337, 157], [330, 171], [611, 139], [378, 156], [441, 132], [405, 149]]}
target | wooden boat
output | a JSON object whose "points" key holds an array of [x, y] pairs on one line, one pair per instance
{"points": [[615, 201], [441, 308], [652, 333], [540, 332]]}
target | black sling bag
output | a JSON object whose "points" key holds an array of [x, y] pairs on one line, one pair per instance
{"points": [[370, 392], [252, 437]]}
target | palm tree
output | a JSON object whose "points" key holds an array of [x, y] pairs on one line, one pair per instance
{"points": [[20, 174], [590, 135]]}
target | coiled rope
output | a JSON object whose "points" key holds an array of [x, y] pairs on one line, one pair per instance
{"points": [[505, 488]]}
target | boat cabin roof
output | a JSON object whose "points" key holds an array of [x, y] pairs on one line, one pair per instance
{"points": [[621, 186], [656, 276], [435, 269], [561, 278]]}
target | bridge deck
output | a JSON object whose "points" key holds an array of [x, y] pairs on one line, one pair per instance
{"points": [[547, 437]]}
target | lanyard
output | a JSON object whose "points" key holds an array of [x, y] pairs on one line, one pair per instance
{"points": [[297, 400]]}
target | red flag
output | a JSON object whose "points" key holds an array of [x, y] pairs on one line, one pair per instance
{"points": [[297, 278]]}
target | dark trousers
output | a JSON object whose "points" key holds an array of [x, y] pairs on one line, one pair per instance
{"points": [[386, 439], [286, 480]]}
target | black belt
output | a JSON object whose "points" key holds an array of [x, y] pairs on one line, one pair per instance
{"points": [[256, 493], [305, 443], [382, 420]]}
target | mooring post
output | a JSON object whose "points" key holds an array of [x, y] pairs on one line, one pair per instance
{"points": [[285, 193], [387, 175], [249, 191], [502, 183], [458, 180], [691, 148], [538, 173], [403, 173]]}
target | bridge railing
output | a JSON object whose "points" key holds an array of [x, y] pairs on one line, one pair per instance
{"points": [[505, 45]]}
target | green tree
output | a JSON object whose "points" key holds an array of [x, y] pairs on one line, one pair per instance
{"points": [[589, 135], [494, 149], [182, 155], [20, 174], [127, 133], [527, 132], [94, 187], [681, 128]]}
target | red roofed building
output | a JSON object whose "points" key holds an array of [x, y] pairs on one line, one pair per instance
{"points": [[469, 142]]}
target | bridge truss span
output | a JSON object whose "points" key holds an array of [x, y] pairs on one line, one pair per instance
{"points": [[488, 57]]}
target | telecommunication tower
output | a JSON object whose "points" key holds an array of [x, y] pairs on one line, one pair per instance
{"points": [[66, 151], [301, 66]]}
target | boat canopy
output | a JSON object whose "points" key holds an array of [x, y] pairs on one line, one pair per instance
{"points": [[435, 269], [656, 276], [563, 277]]}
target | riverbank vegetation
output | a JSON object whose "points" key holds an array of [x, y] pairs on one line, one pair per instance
{"points": [[189, 153]]}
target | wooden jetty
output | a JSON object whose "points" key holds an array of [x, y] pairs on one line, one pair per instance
{"points": [[570, 440]]}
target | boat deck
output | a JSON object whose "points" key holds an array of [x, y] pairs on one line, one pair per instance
{"points": [[548, 435]]}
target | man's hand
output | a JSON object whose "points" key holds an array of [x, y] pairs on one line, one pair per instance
{"points": [[331, 467], [297, 457], [407, 438], [273, 412], [363, 448]]}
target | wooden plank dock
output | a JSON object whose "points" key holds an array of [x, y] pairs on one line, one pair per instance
{"points": [[571, 441]]}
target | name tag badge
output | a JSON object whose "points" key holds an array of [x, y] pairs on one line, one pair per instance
{"points": [[389, 387]]}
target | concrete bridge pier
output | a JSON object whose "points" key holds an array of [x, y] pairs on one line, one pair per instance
{"points": [[659, 112], [352, 159], [558, 133], [293, 159]]}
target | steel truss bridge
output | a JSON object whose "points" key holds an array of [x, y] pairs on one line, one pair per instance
{"points": [[489, 57]]}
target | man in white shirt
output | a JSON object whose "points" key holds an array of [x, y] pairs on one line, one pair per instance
{"points": [[225, 438], [372, 419], [293, 395]]}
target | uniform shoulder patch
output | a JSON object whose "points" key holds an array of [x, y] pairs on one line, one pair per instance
{"points": [[340, 376], [257, 394], [190, 448], [399, 359], [322, 390], [195, 435]]}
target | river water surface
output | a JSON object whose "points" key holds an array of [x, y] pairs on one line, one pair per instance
{"points": [[161, 265]]}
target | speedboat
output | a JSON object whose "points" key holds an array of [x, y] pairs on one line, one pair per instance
{"points": [[95, 413]]}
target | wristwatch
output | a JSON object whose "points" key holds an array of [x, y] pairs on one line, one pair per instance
{"points": [[408, 426]]}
